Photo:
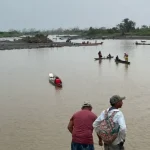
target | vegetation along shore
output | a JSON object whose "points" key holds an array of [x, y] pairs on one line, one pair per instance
{"points": [[39, 39]]}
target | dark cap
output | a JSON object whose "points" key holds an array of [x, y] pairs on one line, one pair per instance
{"points": [[116, 98]]}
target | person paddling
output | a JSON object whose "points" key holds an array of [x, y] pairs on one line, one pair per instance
{"points": [[109, 56], [100, 54], [126, 56], [117, 58]]}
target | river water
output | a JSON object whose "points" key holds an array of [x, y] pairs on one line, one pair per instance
{"points": [[34, 114]]}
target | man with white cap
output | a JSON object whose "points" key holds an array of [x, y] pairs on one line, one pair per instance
{"points": [[80, 126], [110, 126]]}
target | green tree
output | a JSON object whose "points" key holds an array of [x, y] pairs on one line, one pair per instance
{"points": [[121, 27], [126, 25], [144, 27]]}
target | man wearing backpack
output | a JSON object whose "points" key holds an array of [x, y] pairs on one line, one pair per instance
{"points": [[110, 125], [80, 126]]}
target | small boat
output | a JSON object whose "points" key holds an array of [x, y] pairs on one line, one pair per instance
{"points": [[142, 43], [104, 58], [88, 44], [52, 80], [121, 61]]}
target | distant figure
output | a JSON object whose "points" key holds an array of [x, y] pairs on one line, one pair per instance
{"points": [[126, 56], [68, 40], [117, 58], [51, 76], [109, 56], [100, 54], [57, 81]]}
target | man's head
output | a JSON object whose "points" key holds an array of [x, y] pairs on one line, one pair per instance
{"points": [[116, 101], [87, 105]]}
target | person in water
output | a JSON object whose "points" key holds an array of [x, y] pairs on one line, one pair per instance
{"points": [[100, 54], [117, 116], [81, 129], [126, 56], [57, 81]]}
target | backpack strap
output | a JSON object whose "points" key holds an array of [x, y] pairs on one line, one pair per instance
{"points": [[112, 115], [106, 114]]}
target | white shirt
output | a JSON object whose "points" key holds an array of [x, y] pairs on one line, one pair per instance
{"points": [[118, 118]]}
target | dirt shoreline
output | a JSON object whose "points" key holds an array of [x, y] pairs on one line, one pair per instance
{"points": [[10, 45]]}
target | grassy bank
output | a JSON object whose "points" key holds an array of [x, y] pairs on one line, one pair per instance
{"points": [[87, 35], [127, 28], [9, 34]]}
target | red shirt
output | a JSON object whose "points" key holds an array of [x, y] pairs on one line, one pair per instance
{"points": [[57, 81], [83, 129]]}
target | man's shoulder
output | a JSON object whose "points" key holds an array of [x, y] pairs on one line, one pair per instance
{"points": [[118, 113], [78, 112], [84, 112], [93, 114]]}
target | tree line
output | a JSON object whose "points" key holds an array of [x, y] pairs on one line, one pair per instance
{"points": [[126, 27]]}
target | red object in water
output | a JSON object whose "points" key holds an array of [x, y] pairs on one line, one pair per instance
{"points": [[57, 81]]}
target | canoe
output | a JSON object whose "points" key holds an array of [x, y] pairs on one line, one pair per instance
{"points": [[104, 58], [52, 80], [121, 61], [88, 44], [142, 43]]}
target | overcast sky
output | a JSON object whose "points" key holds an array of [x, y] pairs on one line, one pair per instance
{"points": [[49, 14]]}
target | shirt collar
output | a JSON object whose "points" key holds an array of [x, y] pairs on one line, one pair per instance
{"points": [[113, 109]]}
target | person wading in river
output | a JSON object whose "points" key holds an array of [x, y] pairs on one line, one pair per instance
{"points": [[110, 126], [80, 126]]}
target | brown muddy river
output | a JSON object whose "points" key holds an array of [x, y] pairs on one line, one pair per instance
{"points": [[34, 114]]}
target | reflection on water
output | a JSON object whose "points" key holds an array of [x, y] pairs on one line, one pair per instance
{"points": [[58, 88], [126, 67], [100, 61], [34, 114], [127, 46]]}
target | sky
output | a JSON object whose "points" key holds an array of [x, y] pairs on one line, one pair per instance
{"points": [[53, 14]]}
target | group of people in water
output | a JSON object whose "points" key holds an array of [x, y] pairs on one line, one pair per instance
{"points": [[110, 56]]}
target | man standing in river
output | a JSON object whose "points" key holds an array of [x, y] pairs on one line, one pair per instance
{"points": [[80, 126], [111, 126]]}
